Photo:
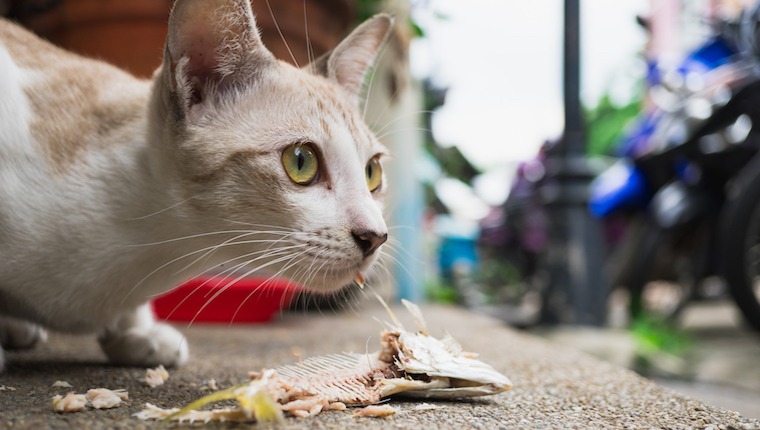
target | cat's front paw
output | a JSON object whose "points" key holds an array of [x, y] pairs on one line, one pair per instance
{"points": [[141, 346], [19, 334]]}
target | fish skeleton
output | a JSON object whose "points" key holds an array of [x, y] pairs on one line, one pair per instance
{"points": [[413, 364]]}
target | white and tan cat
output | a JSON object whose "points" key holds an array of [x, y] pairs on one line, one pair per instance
{"points": [[114, 189]]}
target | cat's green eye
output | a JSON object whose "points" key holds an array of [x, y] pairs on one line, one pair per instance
{"points": [[301, 164], [374, 174]]}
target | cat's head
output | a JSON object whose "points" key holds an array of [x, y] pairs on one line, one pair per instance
{"points": [[279, 157]]}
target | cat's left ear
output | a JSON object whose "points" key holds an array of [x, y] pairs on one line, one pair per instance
{"points": [[348, 62], [212, 46]]}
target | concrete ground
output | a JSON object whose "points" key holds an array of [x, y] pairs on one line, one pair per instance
{"points": [[722, 368], [554, 386]]}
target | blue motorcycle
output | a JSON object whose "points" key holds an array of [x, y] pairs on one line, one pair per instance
{"points": [[688, 181]]}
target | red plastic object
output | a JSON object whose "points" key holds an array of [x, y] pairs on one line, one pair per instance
{"points": [[224, 299]]}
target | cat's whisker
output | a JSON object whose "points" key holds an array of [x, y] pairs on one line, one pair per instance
{"points": [[266, 253], [381, 264], [319, 269], [187, 296], [206, 249], [290, 264], [399, 227], [208, 254], [224, 288], [199, 235], [211, 252], [224, 273], [250, 224], [302, 276], [372, 70], [277, 26], [399, 263], [314, 260], [369, 93], [309, 47], [185, 256], [399, 117], [220, 279], [383, 136], [308, 276], [395, 246], [385, 108], [297, 282], [162, 210], [277, 274]]}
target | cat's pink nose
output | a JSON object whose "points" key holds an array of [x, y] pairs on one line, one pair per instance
{"points": [[369, 241]]}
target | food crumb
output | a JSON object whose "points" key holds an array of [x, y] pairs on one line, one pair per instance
{"points": [[360, 280], [337, 406], [71, 403], [6, 388], [156, 377], [61, 384], [378, 411], [209, 385], [152, 412], [426, 407], [103, 398]]}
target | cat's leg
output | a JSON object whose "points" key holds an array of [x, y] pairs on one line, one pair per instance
{"points": [[20, 334], [136, 339]]}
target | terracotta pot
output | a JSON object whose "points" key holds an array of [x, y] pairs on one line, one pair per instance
{"points": [[127, 33], [131, 33]]}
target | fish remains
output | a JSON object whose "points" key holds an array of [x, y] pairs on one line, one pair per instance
{"points": [[409, 364]]}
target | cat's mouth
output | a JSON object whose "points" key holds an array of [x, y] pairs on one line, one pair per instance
{"points": [[331, 265]]}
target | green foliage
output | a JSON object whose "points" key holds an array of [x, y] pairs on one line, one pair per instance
{"points": [[366, 8], [453, 163], [604, 124], [417, 31], [439, 293], [500, 280], [659, 341]]}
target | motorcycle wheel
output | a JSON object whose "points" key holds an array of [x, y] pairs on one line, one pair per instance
{"points": [[640, 268], [648, 295], [741, 244]]}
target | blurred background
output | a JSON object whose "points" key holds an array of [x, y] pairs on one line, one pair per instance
{"points": [[583, 169]]}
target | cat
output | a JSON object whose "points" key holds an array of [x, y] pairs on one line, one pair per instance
{"points": [[114, 189]]}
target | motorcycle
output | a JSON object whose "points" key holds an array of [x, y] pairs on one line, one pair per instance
{"points": [[689, 180], [513, 241]]}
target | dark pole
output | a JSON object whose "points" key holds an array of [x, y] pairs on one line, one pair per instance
{"points": [[576, 293], [575, 144]]}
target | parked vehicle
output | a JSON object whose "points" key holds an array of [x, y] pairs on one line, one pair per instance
{"points": [[689, 179], [512, 244]]}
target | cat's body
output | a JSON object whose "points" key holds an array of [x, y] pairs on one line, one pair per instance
{"points": [[113, 189]]}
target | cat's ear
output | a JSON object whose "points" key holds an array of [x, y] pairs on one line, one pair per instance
{"points": [[212, 46], [348, 62]]}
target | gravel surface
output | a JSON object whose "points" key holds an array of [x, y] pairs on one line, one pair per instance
{"points": [[555, 386]]}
